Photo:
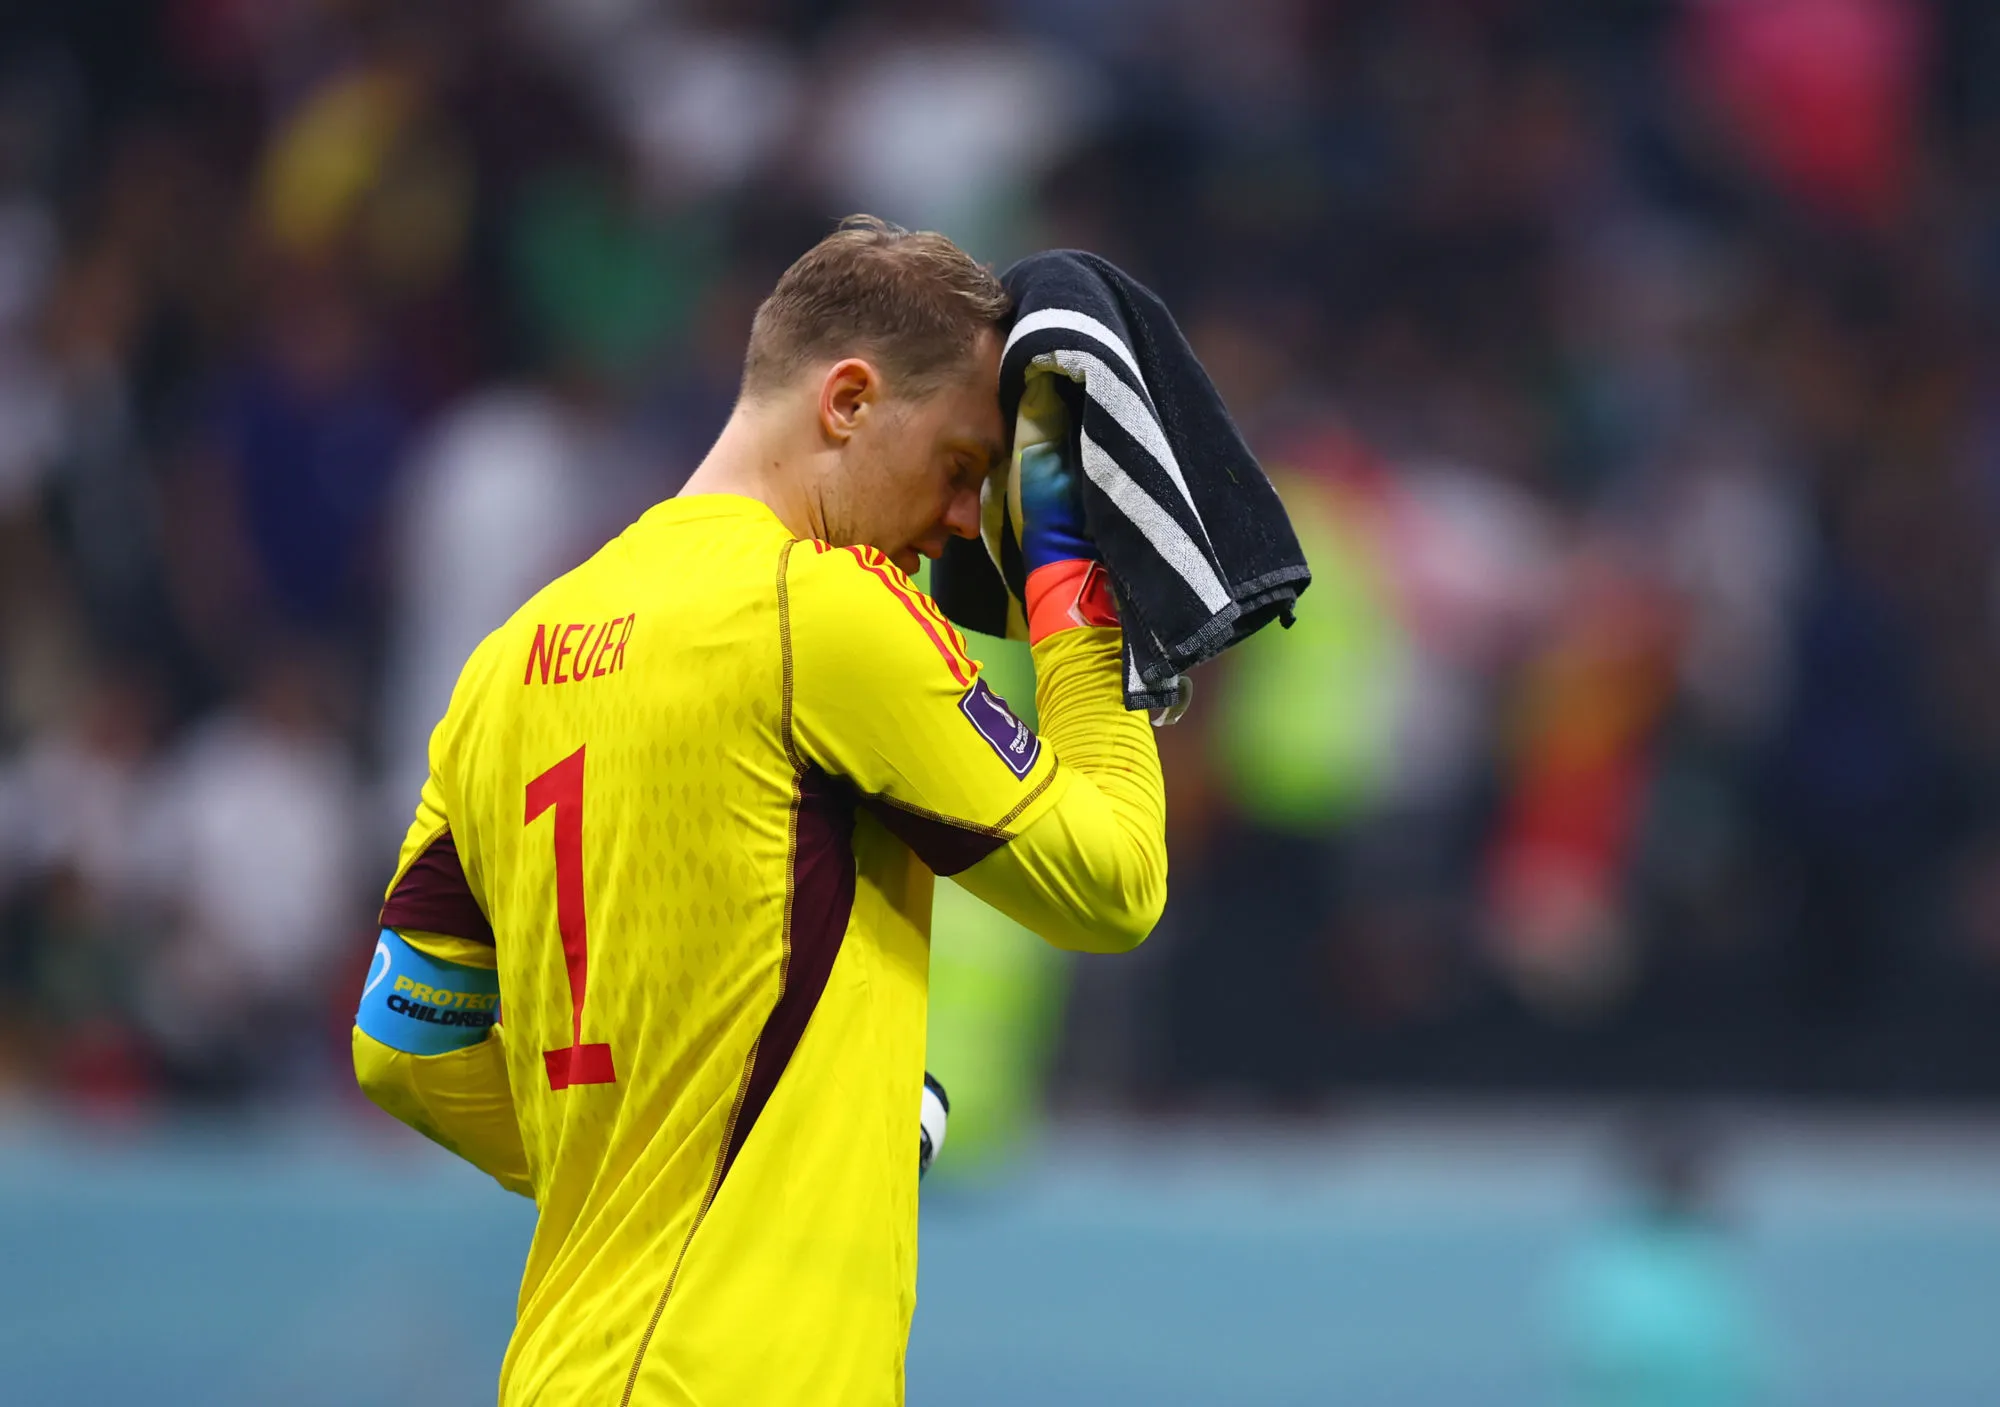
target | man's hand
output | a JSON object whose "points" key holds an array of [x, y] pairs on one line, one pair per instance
{"points": [[1049, 521], [1066, 581]]}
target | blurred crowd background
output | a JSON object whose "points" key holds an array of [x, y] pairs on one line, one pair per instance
{"points": [[1630, 369]]}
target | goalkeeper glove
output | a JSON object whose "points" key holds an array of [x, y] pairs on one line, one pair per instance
{"points": [[1066, 584], [931, 1116]]}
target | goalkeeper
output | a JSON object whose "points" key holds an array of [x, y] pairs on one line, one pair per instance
{"points": [[680, 833]]}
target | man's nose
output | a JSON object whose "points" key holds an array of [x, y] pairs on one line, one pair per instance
{"points": [[961, 515]]}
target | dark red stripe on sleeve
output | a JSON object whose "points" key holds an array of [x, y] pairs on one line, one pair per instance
{"points": [[822, 897], [944, 845], [433, 897]]}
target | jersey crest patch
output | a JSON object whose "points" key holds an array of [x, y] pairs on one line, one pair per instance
{"points": [[1014, 740]]}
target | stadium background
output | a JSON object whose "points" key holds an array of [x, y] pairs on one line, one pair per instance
{"points": [[1582, 977]]}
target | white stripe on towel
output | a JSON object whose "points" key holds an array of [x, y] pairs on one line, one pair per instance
{"points": [[1168, 537], [1069, 320], [1123, 405]]}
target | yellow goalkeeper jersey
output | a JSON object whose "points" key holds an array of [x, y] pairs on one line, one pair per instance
{"points": [[690, 800]]}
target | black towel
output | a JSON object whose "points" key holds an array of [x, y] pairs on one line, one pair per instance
{"points": [[1200, 552]]}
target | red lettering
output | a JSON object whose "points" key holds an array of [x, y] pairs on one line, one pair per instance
{"points": [[601, 651], [618, 650], [582, 665], [538, 651], [597, 655], [562, 652], [598, 660]]}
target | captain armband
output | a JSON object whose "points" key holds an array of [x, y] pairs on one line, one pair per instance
{"points": [[423, 1006]]}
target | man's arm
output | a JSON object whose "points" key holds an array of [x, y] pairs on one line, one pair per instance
{"points": [[458, 1099], [1064, 833], [428, 1049], [1091, 874]]}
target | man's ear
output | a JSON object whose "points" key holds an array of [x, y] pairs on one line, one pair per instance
{"points": [[847, 393]]}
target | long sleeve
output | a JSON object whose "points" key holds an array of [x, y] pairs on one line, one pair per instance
{"points": [[1065, 833], [1091, 873], [460, 1100]]}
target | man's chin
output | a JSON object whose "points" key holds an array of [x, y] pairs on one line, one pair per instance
{"points": [[907, 561]]}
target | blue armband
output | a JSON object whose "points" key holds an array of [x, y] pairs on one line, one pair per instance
{"points": [[420, 1005]]}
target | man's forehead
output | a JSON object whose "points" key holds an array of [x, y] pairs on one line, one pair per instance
{"points": [[974, 414], [986, 436], [980, 428]]}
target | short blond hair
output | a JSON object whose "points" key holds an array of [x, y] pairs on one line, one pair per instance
{"points": [[913, 302]]}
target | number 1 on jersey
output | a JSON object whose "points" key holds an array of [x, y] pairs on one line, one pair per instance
{"points": [[561, 788]]}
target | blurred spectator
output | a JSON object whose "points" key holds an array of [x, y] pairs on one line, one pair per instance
{"points": [[1822, 92], [1653, 1312], [941, 124], [1582, 746], [73, 859], [307, 434], [252, 848]]}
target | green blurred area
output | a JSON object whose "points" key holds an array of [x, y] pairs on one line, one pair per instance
{"points": [[1303, 730]]}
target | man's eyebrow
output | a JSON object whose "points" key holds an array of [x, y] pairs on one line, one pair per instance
{"points": [[994, 450]]}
